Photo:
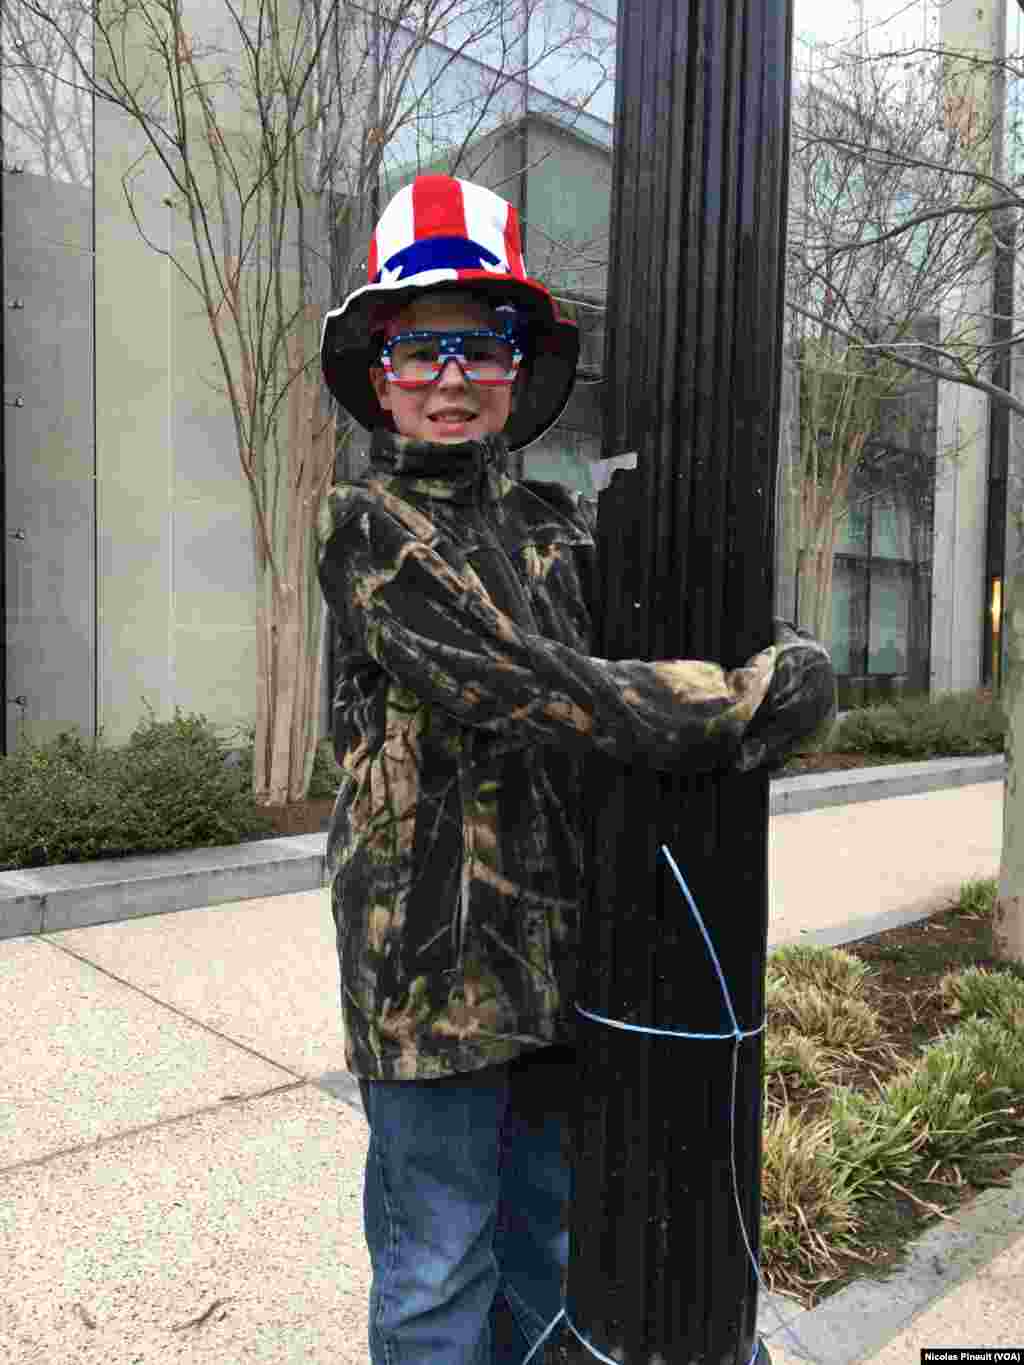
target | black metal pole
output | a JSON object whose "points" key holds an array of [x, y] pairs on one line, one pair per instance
{"points": [[658, 1266], [3, 449]]}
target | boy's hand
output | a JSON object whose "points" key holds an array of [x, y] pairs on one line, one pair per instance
{"points": [[799, 708]]}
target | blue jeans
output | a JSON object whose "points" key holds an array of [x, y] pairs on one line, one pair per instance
{"points": [[465, 1209]]}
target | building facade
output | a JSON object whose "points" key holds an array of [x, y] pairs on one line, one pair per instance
{"points": [[128, 569]]}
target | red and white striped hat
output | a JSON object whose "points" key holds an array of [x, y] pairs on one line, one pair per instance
{"points": [[442, 233]]}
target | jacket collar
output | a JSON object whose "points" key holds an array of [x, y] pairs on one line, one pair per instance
{"points": [[471, 472]]}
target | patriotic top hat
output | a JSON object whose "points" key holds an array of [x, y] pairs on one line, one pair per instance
{"points": [[442, 233]]}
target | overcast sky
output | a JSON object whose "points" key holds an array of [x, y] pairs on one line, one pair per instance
{"points": [[887, 23]]}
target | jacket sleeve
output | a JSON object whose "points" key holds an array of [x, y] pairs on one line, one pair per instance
{"points": [[397, 590]]}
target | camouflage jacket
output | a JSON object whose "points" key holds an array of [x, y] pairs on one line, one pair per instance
{"points": [[467, 700]]}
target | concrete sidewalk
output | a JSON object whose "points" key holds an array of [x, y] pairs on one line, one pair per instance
{"points": [[181, 1152]]}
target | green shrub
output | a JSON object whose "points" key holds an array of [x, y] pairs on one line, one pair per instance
{"points": [[960, 723], [326, 776], [169, 787]]}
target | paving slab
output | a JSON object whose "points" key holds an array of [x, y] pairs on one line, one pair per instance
{"points": [[263, 973], [106, 1254], [83, 1056], [908, 854], [987, 1310]]}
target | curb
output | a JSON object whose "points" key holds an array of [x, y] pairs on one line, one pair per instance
{"points": [[76, 895], [813, 791], [857, 1322]]}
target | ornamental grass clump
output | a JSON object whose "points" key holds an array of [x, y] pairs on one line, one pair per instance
{"points": [[792, 1055], [875, 1150], [965, 1092], [977, 899], [836, 1021], [808, 1213], [831, 969], [992, 995]]}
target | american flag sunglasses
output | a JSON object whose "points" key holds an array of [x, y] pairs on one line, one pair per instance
{"points": [[413, 360]]}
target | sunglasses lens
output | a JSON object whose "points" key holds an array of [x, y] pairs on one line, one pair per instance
{"points": [[420, 359], [416, 360], [488, 357]]}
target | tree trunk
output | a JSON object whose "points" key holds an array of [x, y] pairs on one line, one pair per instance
{"points": [[1008, 922], [290, 619], [814, 576]]}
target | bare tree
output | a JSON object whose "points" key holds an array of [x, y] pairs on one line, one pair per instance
{"points": [[972, 162], [47, 114], [860, 282], [274, 127], [925, 132]]}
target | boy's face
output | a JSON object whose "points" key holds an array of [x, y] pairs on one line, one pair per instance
{"points": [[452, 409]]}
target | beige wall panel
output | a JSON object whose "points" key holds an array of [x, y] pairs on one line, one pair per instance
{"points": [[133, 464], [214, 582], [216, 673], [204, 449]]}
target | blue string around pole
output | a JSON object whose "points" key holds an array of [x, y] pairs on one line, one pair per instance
{"points": [[737, 1035]]}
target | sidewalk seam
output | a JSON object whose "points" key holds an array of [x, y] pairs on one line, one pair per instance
{"points": [[150, 1127], [174, 1009]]}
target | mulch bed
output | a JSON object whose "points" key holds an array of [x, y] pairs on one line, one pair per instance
{"points": [[828, 763], [301, 817], [907, 966]]}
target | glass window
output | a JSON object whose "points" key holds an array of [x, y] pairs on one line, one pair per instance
{"points": [[852, 536], [890, 532], [848, 593], [890, 618]]}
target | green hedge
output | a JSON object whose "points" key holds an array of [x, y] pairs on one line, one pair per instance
{"points": [[171, 786], [960, 723]]}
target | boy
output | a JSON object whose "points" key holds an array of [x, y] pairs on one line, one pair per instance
{"points": [[468, 699]]}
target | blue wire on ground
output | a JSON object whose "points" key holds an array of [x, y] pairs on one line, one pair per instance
{"points": [[737, 1035]]}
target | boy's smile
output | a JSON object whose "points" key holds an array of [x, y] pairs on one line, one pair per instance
{"points": [[452, 409]]}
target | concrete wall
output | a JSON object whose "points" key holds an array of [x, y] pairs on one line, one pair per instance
{"points": [[958, 552], [176, 578], [961, 492], [49, 565], [785, 509], [568, 208]]}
